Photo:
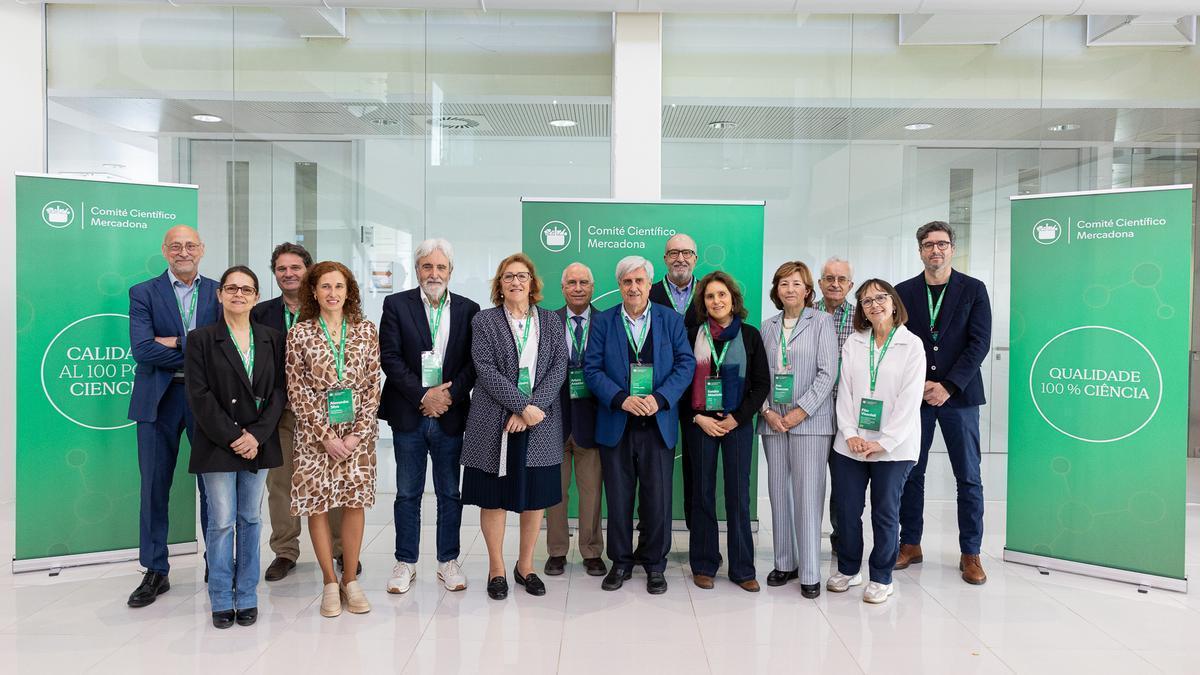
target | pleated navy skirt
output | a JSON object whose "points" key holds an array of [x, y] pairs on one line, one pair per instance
{"points": [[525, 488]]}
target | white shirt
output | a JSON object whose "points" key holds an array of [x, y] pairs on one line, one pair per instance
{"points": [[900, 385], [587, 317], [442, 339], [528, 356]]}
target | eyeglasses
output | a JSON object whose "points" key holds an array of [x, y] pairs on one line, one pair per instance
{"points": [[681, 253], [233, 289], [829, 279], [939, 245], [190, 247], [876, 300], [578, 283], [522, 277]]}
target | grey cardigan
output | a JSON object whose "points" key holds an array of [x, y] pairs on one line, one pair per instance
{"points": [[813, 358], [496, 396]]}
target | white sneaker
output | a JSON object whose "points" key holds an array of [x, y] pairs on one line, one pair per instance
{"points": [[876, 593], [838, 583], [402, 576], [450, 574]]}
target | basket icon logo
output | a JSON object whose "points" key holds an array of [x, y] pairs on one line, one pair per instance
{"points": [[58, 214], [1047, 231], [556, 236]]}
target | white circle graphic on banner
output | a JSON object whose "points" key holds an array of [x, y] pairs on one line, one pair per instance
{"points": [[91, 374], [555, 236], [58, 214]]}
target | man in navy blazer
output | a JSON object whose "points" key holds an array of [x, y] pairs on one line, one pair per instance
{"points": [[951, 314], [425, 351], [161, 312], [638, 365]]}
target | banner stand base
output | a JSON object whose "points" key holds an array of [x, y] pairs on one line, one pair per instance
{"points": [[97, 558], [1139, 579]]}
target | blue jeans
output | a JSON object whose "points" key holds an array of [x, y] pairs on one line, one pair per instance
{"points": [[960, 430], [850, 478], [412, 447], [234, 512]]}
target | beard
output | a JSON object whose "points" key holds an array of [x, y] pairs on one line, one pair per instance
{"points": [[433, 289]]}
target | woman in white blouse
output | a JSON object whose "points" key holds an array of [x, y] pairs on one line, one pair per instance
{"points": [[878, 437]]}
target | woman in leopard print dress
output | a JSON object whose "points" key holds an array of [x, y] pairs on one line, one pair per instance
{"points": [[334, 386]]}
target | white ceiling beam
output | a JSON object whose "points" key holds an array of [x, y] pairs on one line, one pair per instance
{"points": [[1140, 31], [959, 29], [320, 22]]}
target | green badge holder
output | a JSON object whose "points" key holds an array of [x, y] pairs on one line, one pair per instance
{"points": [[525, 382], [341, 406], [641, 379], [431, 369], [783, 389], [577, 385], [870, 414], [714, 399]]}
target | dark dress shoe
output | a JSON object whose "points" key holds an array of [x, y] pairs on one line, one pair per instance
{"points": [[206, 572], [341, 566], [595, 567], [279, 568], [810, 590], [247, 617], [555, 565], [153, 585], [497, 588], [533, 585], [223, 619], [656, 583], [615, 579], [779, 577]]}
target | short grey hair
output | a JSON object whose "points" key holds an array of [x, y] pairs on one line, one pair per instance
{"points": [[587, 269], [833, 260], [429, 246], [630, 264]]}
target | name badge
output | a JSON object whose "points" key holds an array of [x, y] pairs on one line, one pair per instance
{"points": [[431, 369], [641, 379], [258, 402], [713, 394], [933, 335], [341, 405], [870, 414], [525, 382], [783, 389], [577, 385]]}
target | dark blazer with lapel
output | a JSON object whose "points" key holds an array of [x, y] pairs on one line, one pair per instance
{"points": [[579, 415], [154, 311], [270, 313], [223, 398], [659, 294], [403, 335], [606, 369], [964, 334]]}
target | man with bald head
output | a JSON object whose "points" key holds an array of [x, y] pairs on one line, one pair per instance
{"points": [[162, 311]]}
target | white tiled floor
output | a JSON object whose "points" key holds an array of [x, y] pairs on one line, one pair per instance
{"points": [[1020, 621]]}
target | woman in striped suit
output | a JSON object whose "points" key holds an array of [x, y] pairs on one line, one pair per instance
{"points": [[797, 424]]}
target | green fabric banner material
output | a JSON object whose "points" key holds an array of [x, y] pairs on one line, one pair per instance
{"points": [[1098, 395], [80, 245]]}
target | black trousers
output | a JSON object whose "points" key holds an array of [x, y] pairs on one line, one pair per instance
{"points": [[640, 465]]}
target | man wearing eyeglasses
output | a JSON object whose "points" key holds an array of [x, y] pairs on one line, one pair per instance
{"points": [[836, 281], [161, 313], [952, 315]]}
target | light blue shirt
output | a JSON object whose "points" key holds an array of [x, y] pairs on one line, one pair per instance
{"points": [[635, 325], [183, 293], [680, 296]]}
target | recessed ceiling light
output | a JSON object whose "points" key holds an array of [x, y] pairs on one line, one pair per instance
{"points": [[562, 123], [383, 122], [1069, 126], [723, 124], [205, 117], [918, 126]]}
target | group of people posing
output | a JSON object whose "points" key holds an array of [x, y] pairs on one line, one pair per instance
{"points": [[510, 402]]}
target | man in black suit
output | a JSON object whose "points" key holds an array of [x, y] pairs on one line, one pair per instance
{"points": [[951, 314], [579, 435], [425, 351], [289, 262]]}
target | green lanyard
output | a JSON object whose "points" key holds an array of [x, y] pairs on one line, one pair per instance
{"points": [[435, 321], [579, 343], [687, 301], [521, 341], [247, 359], [289, 317], [875, 366], [339, 352], [784, 339], [934, 310], [187, 318], [845, 314], [641, 341], [718, 359]]}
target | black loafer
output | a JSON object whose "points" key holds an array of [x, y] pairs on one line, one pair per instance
{"points": [[595, 567], [779, 577], [656, 583], [153, 585], [497, 588], [279, 568], [533, 585], [555, 565], [341, 566], [615, 579], [247, 617], [223, 619], [810, 590]]}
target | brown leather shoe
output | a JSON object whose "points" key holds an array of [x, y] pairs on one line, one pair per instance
{"points": [[750, 585], [279, 568], [703, 581], [972, 569], [910, 554]]}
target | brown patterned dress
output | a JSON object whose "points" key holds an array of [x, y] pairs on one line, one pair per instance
{"points": [[319, 482]]}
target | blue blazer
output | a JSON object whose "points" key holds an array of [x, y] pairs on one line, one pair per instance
{"points": [[964, 334], [606, 370], [154, 312]]}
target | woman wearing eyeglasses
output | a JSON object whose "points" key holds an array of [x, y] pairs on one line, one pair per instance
{"points": [[513, 448], [235, 387], [879, 435]]}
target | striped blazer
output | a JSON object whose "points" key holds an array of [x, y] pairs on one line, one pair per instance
{"points": [[496, 396], [813, 358]]}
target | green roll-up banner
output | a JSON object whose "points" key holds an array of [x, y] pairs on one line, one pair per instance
{"points": [[80, 245], [598, 233], [1098, 394]]}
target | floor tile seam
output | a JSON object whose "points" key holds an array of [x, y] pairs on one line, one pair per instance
{"points": [[965, 627], [1055, 599], [111, 653], [824, 614]]}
